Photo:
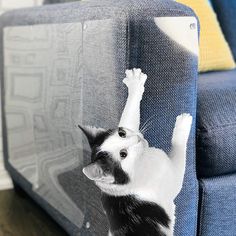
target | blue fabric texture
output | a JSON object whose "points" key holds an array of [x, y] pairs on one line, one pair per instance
{"points": [[226, 11], [216, 119], [218, 206], [58, 1], [136, 42]]}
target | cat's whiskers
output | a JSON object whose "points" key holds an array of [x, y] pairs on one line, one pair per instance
{"points": [[147, 124], [144, 127], [147, 127], [147, 121]]}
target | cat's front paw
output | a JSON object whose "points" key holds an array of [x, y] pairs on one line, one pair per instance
{"points": [[184, 121], [135, 80], [182, 127]]}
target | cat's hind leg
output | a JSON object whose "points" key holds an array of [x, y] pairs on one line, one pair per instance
{"points": [[179, 147]]}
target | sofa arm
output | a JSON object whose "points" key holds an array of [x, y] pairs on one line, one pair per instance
{"points": [[63, 65], [171, 90]]}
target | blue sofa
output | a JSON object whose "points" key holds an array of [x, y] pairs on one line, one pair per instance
{"points": [[64, 64], [216, 138]]}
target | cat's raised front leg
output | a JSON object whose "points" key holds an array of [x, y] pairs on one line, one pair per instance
{"points": [[179, 146], [134, 81]]}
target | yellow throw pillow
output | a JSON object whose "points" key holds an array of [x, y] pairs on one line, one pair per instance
{"points": [[215, 53]]}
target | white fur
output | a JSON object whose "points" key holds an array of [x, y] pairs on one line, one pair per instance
{"points": [[134, 81], [154, 176]]}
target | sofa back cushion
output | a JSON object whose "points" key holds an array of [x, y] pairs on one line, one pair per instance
{"points": [[226, 11], [215, 53], [216, 118]]}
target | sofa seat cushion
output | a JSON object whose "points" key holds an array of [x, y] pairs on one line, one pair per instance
{"points": [[216, 123], [218, 206]]}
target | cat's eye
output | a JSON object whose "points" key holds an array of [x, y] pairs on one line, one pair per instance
{"points": [[123, 153], [122, 133]]}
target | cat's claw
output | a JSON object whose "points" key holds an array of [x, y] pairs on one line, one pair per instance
{"points": [[135, 79]]}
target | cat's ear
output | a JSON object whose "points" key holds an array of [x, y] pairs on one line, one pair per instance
{"points": [[91, 133], [94, 172]]}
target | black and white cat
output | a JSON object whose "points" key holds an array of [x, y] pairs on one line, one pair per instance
{"points": [[138, 183]]}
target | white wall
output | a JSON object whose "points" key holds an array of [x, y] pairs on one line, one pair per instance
{"points": [[6, 5]]}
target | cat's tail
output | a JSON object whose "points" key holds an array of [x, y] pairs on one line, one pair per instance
{"points": [[179, 145]]}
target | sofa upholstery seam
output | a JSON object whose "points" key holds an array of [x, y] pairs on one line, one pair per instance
{"points": [[49, 8], [216, 128], [201, 217]]}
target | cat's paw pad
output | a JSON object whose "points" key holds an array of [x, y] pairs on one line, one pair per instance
{"points": [[135, 79]]}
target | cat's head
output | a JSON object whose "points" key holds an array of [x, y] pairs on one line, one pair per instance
{"points": [[114, 155]]}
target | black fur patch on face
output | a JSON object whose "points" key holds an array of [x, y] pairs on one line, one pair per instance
{"points": [[110, 167], [101, 137], [104, 159], [130, 217]]}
